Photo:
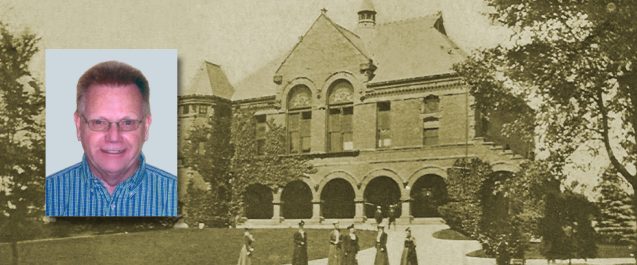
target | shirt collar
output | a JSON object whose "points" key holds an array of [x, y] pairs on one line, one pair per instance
{"points": [[132, 182]]}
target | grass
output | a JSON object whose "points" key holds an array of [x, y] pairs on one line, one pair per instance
{"points": [[449, 234], [603, 251], [173, 246]]}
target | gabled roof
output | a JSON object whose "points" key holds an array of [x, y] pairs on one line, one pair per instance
{"points": [[350, 36], [259, 84], [401, 50], [414, 47], [210, 80]]}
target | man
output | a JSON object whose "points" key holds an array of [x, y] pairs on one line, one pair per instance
{"points": [[381, 247], [392, 216], [112, 121], [350, 247], [299, 257], [378, 215], [335, 251]]}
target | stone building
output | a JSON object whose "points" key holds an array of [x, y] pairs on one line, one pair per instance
{"points": [[378, 110]]}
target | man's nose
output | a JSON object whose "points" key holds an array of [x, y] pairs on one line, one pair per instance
{"points": [[113, 133]]}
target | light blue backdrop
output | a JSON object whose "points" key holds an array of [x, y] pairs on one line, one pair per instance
{"points": [[64, 67]]}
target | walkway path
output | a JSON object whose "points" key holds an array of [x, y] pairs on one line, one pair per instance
{"points": [[433, 251]]}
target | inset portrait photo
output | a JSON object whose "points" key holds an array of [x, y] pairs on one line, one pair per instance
{"points": [[111, 132]]}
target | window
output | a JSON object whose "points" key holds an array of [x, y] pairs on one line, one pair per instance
{"points": [[299, 120], [203, 109], [431, 103], [261, 127], [430, 131], [383, 133], [340, 113]]}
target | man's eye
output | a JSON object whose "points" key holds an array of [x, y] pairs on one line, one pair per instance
{"points": [[127, 122], [99, 122]]}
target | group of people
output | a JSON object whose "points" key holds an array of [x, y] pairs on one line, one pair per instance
{"points": [[391, 216], [342, 250]]}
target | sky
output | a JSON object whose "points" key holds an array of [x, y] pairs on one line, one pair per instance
{"points": [[239, 35]]}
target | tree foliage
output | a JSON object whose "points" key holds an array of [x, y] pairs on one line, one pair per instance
{"points": [[273, 168], [21, 138], [575, 63], [616, 220], [208, 151], [566, 229]]}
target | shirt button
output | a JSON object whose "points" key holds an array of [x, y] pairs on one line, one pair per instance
{"points": [[113, 206]]}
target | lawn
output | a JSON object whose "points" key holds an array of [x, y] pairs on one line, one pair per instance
{"points": [[449, 234], [603, 251], [173, 246]]}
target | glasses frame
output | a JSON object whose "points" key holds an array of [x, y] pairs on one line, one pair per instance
{"points": [[110, 123]]}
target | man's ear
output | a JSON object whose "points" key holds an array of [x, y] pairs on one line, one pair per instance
{"points": [[147, 122], [78, 122]]}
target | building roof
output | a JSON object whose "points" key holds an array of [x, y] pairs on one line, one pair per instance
{"points": [[401, 50], [412, 48], [210, 80], [259, 84]]}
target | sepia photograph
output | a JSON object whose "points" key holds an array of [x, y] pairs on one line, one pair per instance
{"points": [[321, 132]]}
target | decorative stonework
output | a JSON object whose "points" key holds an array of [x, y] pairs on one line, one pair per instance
{"points": [[301, 98], [341, 94]]}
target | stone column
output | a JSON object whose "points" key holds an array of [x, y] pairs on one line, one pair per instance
{"points": [[405, 215], [316, 211], [276, 206], [360, 211]]}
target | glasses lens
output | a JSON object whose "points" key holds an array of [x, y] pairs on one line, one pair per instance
{"points": [[98, 125], [128, 125]]}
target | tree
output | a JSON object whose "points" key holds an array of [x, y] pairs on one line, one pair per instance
{"points": [[615, 220], [566, 229], [21, 139], [209, 152], [574, 61]]}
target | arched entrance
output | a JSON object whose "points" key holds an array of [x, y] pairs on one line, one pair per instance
{"points": [[384, 192], [337, 199], [428, 192], [296, 200], [258, 202]]}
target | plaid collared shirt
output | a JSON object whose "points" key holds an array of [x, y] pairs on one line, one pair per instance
{"points": [[75, 191]]}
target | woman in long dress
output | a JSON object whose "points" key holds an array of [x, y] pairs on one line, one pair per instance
{"points": [[245, 256], [350, 247], [335, 252], [409, 252], [381, 247]]}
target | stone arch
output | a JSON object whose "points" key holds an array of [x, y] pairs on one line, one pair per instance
{"points": [[427, 170], [299, 81], [337, 199], [342, 175], [258, 202], [427, 193], [357, 86], [386, 173], [296, 200], [382, 188]]}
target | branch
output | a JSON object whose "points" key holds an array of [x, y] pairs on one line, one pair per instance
{"points": [[606, 139]]}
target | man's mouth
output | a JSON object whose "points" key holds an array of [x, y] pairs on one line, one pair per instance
{"points": [[113, 151]]}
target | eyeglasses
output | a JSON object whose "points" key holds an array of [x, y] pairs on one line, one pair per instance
{"points": [[102, 125]]}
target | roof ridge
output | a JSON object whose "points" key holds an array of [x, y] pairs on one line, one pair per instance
{"points": [[436, 15], [340, 29]]}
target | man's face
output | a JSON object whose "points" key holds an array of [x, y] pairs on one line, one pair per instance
{"points": [[112, 153]]}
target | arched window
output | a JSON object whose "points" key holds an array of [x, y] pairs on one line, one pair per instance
{"points": [[339, 116], [431, 104], [299, 119]]}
